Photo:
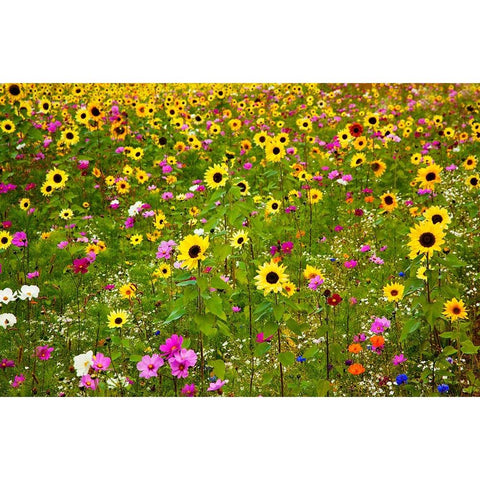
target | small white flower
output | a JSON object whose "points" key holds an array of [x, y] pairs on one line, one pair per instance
{"points": [[19, 147], [82, 363], [193, 188], [7, 320], [28, 292], [199, 231], [7, 295], [134, 209]]}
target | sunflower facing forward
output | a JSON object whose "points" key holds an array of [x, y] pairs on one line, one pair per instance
{"points": [[58, 178], [394, 292], [192, 249], [429, 176], [426, 237], [455, 309], [437, 215], [117, 319], [271, 277], [216, 176]]}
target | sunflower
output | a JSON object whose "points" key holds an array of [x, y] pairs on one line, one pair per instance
{"points": [[7, 126], [416, 158], [159, 222], [388, 202], [355, 130], [393, 292], [44, 105], [311, 272], [271, 277], [163, 271], [136, 239], [94, 111], [58, 178], [192, 249], [274, 151], [244, 187], [273, 206], [470, 162], [239, 239], [358, 159], [283, 138], [289, 289], [344, 137], [426, 237], [128, 290], [14, 91], [378, 167], [437, 215], [66, 214], [216, 176], [429, 176], [24, 204], [473, 181], [260, 139], [360, 143], [314, 195], [122, 187], [5, 239], [455, 309], [371, 121], [82, 116], [117, 318], [70, 136]]}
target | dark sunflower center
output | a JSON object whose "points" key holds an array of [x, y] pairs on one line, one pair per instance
{"points": [[95, 112], [118, 321], [274, 206], [14, 90], [48, 188], [276, 151], [217, 177], [394, 293], [358, 161], [8, 126], [70, 135], [372, 120], [57, 178], [437, 218], [272, 278], [194, 251], [456, 310], [375, 167], [389, 200], [240, 240], [4, 240], [427, 239], [45, 106], [474, 181], [469, 162], [242, 186], [164, 270], [162, 141], [262, 139], [119, 130], [430, 177]]}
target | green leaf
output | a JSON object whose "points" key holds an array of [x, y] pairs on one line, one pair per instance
{"points": [[214, 305], [202, 283], [205, 324], [262, 349], [286, 358], [294, 326], [311, 352], [448, 335], [136, 358], [218, 368], [469, 348], [175, 315], [449, 350], [323, 387], [278, 311], [267, 378], [410, 326]]}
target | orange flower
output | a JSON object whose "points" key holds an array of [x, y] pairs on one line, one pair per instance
{"points": [[355, 348], [300, 234], [349, 200], [369, 199], [356, 369], [377, 341]]}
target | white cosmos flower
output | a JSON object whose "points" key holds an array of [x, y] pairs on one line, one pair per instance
{"points": [[199, 231], [28, 292], [7, 320], [7, 295], [82, 363], [134, 209]]}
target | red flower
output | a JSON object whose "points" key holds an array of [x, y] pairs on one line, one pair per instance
{"points": [[355, 129], [335, 299]]}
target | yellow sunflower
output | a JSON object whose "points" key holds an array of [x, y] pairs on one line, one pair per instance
{"points": [[136, 239], [66, 213], [273, 206], [429, 176], [314, 195], [437, 215], [192, 249], [216, 176], [470, 162], [393, 292], [24, 204], [310, 272], [128, 290], [358, 159], [455, 309], [58, 178], [47, 189], [473, 182], [239, 239], [117, 318], [274, 151], [163, 271], [5, 240], [378, 167], [388, 202], [7, 126], [271, 277], [426, 237]]}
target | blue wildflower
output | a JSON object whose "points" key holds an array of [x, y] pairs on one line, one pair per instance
{"points": [[300, 359], [443, 388], [401, 379]]}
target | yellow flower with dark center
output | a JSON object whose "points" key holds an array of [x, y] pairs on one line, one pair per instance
{"points": [[274, 151], [24, 204], [7, 126], [358, 159], [47, 189], [14, 91], [454, 309], [136, 239], [244, 187], [470, 162], [192, 250], [58, 178], [437, 215], [239, 239], [82, 116], [5, 239], [426, 237], [473, 182], [273, 206], [70, 136], [216, 176], [314, 195], [378, 167], [122, 187], [393, 292], [110, 180], [271, 277], [117, 318], [163, 271], [360, 143], [388, 202], [429, 176], [289, 289], [260, 139], [94, 111], [128, 290], [66, 213]]}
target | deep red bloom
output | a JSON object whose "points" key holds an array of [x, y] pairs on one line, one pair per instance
{"points": [[80, 265], [335, 299], [355, 129]]}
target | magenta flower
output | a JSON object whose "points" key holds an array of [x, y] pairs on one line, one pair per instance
{"points": [[19, 379], [287, 247], [315, 282], [380, 324], [6, 363], [80, 265], [165, 249], [189, 390], [62, 245], [365, 248], [88, 382], [19, 239], [216, 385], [261, 338], [350, 264], [33, 274], [398, 359], [181, 361], [43, 352], [100, 362], [236, 309], [149, 365], [172, 345]]}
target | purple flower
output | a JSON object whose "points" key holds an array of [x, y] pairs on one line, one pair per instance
{"points": [[315, 282], [33, 274], [100, 362], [19, 379], [88, 382], [20, 239], [149, 366], [398, 359], [216, 385], [287, 247], [62, 245], [350, 264], [172, 345], [181, 361], [236, 309], [365, 248], [338, 228], [43, 352], [5, 363], [189, 390], [165, 249], [129, 222]]}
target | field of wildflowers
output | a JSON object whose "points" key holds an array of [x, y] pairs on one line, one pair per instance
{"points": [[239, 239]]}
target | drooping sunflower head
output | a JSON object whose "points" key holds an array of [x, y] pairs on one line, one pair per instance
{"points": [[455, 309], [216, 176], [426, 237], [393, 292], [271, 277], [244, 187], [117, 318], [192, 250]]}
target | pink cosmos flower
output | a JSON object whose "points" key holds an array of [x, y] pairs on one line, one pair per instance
{"points": [[6, 363], [181, 361], [398, 359], [287, 247], [365, 248], [236, 309], [261, 338], [315, 282], [43, 352], [100, 362], [165, 249], [19, 379], [216, 385], [172, 345], [189, 390], [88, 382], [350, 264], [149, 366]]}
